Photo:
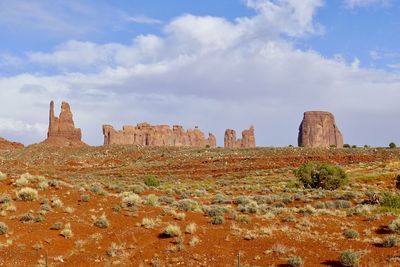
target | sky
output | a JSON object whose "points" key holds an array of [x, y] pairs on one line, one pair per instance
{"points": [[213, 64]]}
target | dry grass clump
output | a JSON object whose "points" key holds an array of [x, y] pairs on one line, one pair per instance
{"points": [[115, 249], [130, 200], [27, 194], [67, 231], [102, 222], [148, 223], [191, 228], [172, 231]]}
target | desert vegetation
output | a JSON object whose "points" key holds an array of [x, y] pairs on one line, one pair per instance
{"points": [[208, 207]]}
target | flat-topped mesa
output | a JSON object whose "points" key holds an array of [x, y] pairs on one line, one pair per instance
{"points": [[318, 129], [248, 139], [62, 131], [8, 145], [160, 135]]}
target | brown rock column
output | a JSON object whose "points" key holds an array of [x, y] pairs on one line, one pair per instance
{"points": [[318, 129]]}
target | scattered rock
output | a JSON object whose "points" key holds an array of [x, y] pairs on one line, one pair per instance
{"points": [[318, 129]]}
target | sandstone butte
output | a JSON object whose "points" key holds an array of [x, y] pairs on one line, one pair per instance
{"points": [[62, 131], [248, 139], [318, 129], [161, 135], [8, 145]]}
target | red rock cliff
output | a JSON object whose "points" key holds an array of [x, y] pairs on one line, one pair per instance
{"points": [[248, 139], [160, 135]]}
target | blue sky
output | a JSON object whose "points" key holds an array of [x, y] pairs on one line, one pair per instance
{"points": [[217, 64]]}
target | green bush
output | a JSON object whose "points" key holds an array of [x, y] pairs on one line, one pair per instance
{"points": [[390, 200], [350, 258], [392, 145], [152, 181], [321, 175]]}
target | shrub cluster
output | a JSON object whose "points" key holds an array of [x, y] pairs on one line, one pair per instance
{"points": [[152, 181], [321, 175]]}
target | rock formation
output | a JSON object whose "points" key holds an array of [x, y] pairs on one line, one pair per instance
{"points": [[161, 135], [318, 129], [62, 131], [8, 145], [248, 139]]}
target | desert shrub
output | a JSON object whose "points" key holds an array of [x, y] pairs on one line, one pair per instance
{"points": [[398, 181], [67, 231], [351, 234], [172, 230], [390, 200], [295, 261], [3, 228], [346, 146], [213, 210], [97, 189], [115, 249], [195, 240], [166, 200], [85, 198], [152, 181], [43, 185], [321, 175], [250, 207], [137, 188], [131, 200], [39, 218], [22, 181], [102, 222], [180, 216], [148, 223], [392, 145], [27, 194], [187, 205], [56, 203], [394, 226], [27, 217], [56, 226], [221, 199], [244, 219], [242, 200], [151, 200], [219, 219], [350, 258], [390, 241], [191, 228], [5, 199]]}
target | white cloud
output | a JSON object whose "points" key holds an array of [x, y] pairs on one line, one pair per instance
{"points": [[141, 19], [214, 73], [365, 3]]}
